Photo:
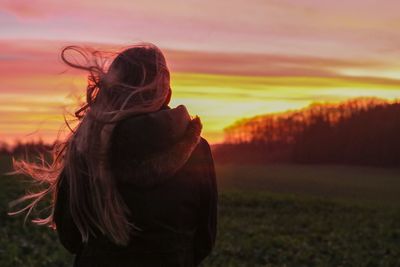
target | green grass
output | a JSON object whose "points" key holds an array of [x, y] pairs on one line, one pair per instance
{"points": [[22, 244], [275, 215], [262, 229], [350, 183]]}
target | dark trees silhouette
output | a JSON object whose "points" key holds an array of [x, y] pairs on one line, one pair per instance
{"points": [[362, 131]]}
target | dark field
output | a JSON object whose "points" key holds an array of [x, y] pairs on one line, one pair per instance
{"points": [[278, 215]]}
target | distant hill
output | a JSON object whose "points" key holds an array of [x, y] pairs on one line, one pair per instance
{"points": [[361, 131]]}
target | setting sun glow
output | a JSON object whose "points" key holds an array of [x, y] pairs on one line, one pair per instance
{"points": [[247, 63]]}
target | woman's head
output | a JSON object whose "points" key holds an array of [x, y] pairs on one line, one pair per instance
{"points": [[137, 81], [140, 69], [139, 65]]}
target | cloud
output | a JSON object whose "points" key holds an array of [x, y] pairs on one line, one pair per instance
{"points": [[221, 87], [31, 57], [351, 29], [27, 9]]}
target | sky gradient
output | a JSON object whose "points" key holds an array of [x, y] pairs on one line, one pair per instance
{"points": [[228, 59]]}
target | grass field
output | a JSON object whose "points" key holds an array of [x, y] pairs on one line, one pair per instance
{"points": [[357, 184], [277, 215]]}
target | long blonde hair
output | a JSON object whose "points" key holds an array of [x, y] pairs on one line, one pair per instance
{"points": [[136, 82]]}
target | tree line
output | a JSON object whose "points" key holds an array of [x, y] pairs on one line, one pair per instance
{"points": [[362, 131], [24, 149]]}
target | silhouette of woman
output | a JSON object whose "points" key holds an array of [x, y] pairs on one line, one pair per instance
{"points": [[134, 184]]}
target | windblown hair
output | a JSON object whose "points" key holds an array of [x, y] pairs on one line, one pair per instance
{"points": [[136, 82]]}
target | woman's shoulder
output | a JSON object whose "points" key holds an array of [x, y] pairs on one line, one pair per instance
{"points": [[203, 149], [201, 160]]}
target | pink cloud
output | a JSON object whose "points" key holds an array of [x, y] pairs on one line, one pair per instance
{"points": [[28, 9], [30, 57], [342, 29]]}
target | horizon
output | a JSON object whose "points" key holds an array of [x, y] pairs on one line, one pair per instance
{"points": [[239, 126], [261, 58]]}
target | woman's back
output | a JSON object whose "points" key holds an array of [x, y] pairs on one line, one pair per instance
{"points": [[164, 172], [133, 184]]}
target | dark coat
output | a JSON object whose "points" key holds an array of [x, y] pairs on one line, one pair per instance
{"points": [[165, 174]]}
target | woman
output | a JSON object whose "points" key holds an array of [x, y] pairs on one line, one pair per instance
{"points": [[134, 184]]}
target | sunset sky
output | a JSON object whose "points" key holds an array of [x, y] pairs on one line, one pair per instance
{"points": [[229, 59]]}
